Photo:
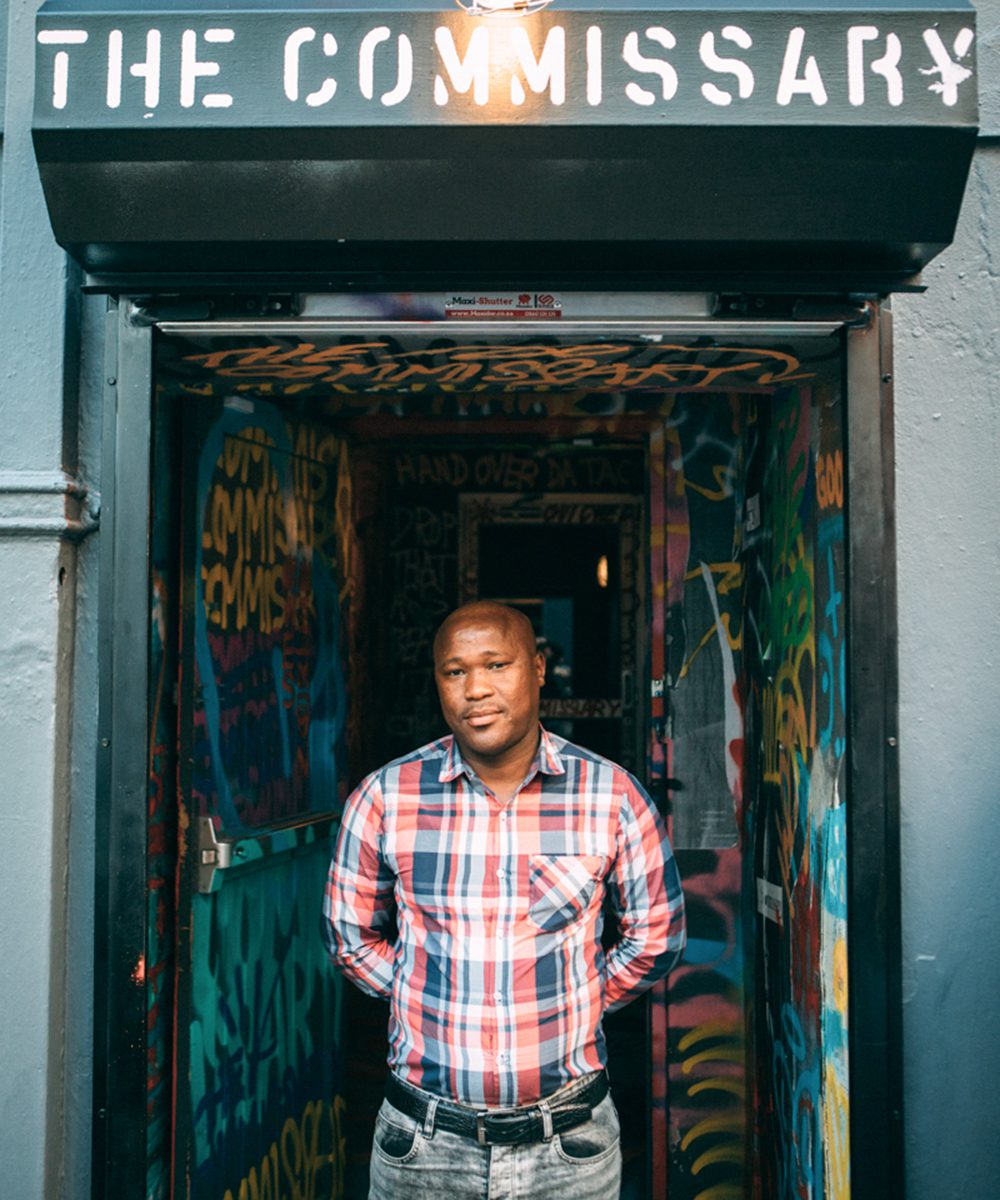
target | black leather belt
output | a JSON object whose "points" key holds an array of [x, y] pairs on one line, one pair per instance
{"points": [[501, 1126]]}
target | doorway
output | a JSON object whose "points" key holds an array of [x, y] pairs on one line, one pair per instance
{"points": [[690, 633]]}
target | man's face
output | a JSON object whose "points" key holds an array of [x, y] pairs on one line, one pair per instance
{"points": [[488, 676]]}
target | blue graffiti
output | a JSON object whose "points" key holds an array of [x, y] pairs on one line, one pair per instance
{"points": [[287, 685], [830, 643], [797, 1100]]}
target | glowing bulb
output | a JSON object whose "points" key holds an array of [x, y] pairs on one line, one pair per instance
{"points": [[487, 8], [602, 571]]}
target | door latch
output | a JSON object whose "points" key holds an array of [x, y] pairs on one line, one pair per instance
{"points": [[213, 855]]}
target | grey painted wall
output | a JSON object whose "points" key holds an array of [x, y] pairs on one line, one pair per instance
{"points": [[47, 645], [948, 479]]}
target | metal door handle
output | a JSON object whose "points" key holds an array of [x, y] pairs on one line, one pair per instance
{"points": [[217, 854]]}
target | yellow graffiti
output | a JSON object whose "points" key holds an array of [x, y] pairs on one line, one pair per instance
{"points": [[723, 474], [719, 1083], [253, 521], [722, 1123], [837, 1136], [731, 578], [725, 1040], [721, 1191], [376, 365], [725, 1152], [830, 480], [296, 1161]]}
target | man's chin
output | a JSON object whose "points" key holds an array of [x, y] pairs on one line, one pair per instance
{"points": [[483, 743]]}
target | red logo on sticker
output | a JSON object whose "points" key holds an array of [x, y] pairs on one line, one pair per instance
{"points": [[546, 301]]}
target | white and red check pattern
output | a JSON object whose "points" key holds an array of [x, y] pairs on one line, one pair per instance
{"points": [[497, 980]]}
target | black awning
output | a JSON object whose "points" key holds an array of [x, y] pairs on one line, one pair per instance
{"points": [[819, 142]]}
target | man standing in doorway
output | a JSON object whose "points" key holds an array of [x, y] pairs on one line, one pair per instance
{"points": [[467, 889]]}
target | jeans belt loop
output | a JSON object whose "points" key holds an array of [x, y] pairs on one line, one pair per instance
{"points": [[429, 1117], [546, 1112], [481, 1129]]}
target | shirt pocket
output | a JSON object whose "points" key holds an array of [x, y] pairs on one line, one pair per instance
{"points": [[560, 887]]}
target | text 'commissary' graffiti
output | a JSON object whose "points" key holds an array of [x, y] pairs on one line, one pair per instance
{"points": [[355, 69]]}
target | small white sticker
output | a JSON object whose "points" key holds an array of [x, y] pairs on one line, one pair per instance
{"points": [[770, 901], [506, 306], [752, 519]]}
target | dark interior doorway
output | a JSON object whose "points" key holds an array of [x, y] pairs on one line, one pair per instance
{"points": [[555, 528]]}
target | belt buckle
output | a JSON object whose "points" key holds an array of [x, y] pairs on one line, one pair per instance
{"points": [[498, 1115]]}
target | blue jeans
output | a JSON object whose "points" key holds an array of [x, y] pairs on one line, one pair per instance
{"points": [[412, 1161]]}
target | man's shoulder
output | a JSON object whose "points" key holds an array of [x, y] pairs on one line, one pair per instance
{"points": [[436, 752], [571, 753]]}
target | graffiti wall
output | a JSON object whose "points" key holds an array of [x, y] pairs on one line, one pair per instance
{"points": [[268, 704], [300, 558], [706, 1040], [259, 1104], [756, 717], [796, 863]]}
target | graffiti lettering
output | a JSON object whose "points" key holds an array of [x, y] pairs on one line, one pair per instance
{"points": [[830, 480], [598, 366], [308, 1149]]}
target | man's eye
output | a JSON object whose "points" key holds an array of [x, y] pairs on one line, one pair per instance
{"points": [[453, 673], [497, 666]]}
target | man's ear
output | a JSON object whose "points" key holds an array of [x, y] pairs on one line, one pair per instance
{"points": [[540, 667]]}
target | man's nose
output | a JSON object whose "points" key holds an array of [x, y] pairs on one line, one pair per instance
{"points": [[477, 684]]}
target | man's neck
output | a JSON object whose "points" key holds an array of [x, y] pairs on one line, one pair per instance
{"points": [[505, 774]]}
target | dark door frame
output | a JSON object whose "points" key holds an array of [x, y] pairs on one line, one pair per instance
{"points": [[875, 1004]]}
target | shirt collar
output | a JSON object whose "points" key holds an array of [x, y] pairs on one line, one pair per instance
{"points": [[548, 760]]}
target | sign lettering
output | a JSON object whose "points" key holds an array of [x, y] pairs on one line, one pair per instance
{"points": [[402, 67]]}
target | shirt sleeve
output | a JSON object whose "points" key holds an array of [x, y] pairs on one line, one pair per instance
{"points": [[358, 905], [645, 889]]}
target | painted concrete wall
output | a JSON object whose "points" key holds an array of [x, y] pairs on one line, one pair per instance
{"points": [[47, 677], [948, 461]]}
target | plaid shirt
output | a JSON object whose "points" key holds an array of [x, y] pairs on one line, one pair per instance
{"points": [[497, 980]]}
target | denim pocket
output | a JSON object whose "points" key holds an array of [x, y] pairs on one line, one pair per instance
{"points": [[560, 886], [594, 1138], [395, 1135]]}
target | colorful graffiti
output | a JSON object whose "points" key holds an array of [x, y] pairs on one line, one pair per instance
{"points": [[265, 1033], [706, 1041], [540, 364], [757, 706], [795, 607], [259, 1102], [270, 703]]}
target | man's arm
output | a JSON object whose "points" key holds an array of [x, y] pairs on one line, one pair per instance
{"points": [[358, 907], [645, 889]]}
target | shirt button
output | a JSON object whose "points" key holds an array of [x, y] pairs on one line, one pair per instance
{"points": [[498, 996], [501, 1059], [500, 872]]}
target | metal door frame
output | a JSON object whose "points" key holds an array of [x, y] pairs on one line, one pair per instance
{"points": [[873, 869]]}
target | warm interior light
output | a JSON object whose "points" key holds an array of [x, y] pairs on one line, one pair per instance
{"points": [[485, 8], [602, 571]]}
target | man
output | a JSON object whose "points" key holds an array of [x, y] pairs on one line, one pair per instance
{"points": [[491, 852]]}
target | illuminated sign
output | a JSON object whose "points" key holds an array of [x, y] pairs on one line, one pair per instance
{"points": [[298, 65]]}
